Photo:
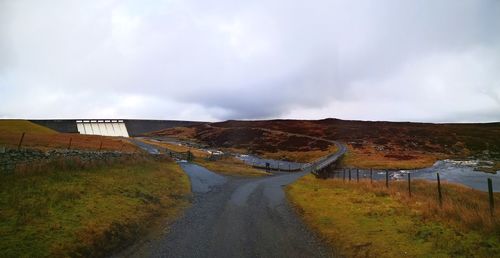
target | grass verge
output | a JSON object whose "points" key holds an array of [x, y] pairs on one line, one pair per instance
{"points": [[365, 220], [231, 166], [87, 212]]}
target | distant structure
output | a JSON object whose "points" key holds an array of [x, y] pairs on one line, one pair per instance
{"points": [[111, 127], [102, 127]]}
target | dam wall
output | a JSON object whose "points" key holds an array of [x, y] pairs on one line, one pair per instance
{"points": [[111, 127]]}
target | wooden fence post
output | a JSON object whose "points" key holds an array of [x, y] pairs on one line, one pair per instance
{"points": [[387, 178], [20, 141], [357, 175], [349, 174], [440, 195], [371, 175], [409, 185], [343, 178], [490, 193]]}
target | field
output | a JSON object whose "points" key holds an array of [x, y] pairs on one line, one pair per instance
{"points": [[369, 220], [299, 156], [87, 212], [19, 126], [39, 137], [231, 166], [226, 165], [366, 158], [389, 145]]}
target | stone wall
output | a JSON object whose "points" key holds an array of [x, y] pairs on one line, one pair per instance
{"points": [[10, 158]]}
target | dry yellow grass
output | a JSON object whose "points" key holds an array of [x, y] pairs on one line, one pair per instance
{"points": [[19, 126], [178, 148], [39, 137], [369, 220], [294, 156], [299, 156], [231, 166], [181, 132], [226, 165], [61, 141], [367, 158]]}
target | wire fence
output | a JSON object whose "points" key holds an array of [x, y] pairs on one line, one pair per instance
{"points": [[65, 141], [354, 175]]}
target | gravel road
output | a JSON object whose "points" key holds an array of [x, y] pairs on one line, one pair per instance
{"points": [[236, 217], [149, 148]]}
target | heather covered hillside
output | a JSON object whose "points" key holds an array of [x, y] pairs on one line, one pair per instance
{"points": [[398, 144]]}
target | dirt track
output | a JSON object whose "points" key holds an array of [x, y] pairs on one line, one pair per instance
{"points": [[235, 217]]}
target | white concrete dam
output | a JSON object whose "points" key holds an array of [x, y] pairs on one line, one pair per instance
{"points": [[102, 127]]}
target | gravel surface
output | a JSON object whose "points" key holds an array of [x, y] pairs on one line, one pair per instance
{"points": [[236, 217]]}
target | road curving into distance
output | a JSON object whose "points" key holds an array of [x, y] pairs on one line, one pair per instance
{"points": [[238, 217]]}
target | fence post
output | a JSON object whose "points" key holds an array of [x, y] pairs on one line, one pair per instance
{"points": [[69, 145], [439, 191], [357, 175], [387, 178], [371, 175], [409, 185], [490, 193], [344, 174], [20, 142], [349, 174], [100, 146]]}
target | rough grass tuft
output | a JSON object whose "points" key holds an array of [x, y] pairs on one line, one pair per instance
{"points": [[87, 211], [17, 125], [232, 167], [369, 220]]}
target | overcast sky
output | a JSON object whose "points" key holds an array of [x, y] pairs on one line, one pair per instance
{"points": [[425, 60]]}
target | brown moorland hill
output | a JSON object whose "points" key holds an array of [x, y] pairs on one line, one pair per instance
{"points": [[261, 141], [371, 144]]}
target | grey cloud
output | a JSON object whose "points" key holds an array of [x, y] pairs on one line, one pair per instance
{"points": [[256, 59]]}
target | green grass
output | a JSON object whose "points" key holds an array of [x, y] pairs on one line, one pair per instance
{"points": [[19, 126], [87, 212], [365, 220]]}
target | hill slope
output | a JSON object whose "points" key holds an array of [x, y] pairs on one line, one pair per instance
{"points": [[371, 144]]}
